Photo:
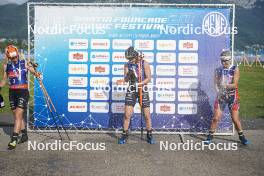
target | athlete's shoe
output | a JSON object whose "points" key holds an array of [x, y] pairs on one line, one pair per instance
{"points": [[243, 140], [12, 144], [23, 139], [150, 139], [123, 139], [209, 139]]}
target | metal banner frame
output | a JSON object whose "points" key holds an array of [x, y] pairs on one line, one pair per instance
{"points": [[30, 20]]}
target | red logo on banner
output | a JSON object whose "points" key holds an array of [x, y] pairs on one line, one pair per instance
{"points": [[120, 82], [100, 69], [165, 108], [78, 56], [188, 45]]}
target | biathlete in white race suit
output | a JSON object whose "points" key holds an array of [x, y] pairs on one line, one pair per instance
{"points": [[16, 71], [226, 83], [137, 73]]}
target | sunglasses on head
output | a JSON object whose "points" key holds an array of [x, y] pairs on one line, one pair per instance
{"points": [[225, 60], [12, 58]]}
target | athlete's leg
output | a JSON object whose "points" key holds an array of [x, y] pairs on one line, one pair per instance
{"points": [[19, 120], [150, 138], [147, 118], [128, 113], [146, 109], [236, 120], [127, 116], [18, 115], [13, 105], [24, 136], [217, 117]]}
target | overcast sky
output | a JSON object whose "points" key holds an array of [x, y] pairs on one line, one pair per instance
{"points": [[2, 2]]}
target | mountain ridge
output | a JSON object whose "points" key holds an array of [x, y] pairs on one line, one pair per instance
{"points": [[248, 20]]}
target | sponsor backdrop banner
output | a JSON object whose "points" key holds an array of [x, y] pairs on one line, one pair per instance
{"points": [[80, 48]]}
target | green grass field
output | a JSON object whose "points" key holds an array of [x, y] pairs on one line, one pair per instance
{"points": [[251, 91]]}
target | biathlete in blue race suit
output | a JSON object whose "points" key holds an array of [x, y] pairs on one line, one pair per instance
{"points": [[226, 84], [137, 73], [16, 72]]}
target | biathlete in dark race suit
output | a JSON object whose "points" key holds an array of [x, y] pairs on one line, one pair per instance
{"points": [[136, 69], [16, 71], [226, 83]]}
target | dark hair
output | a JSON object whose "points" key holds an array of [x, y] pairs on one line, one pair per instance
{"points": [[131, 53], [225, 53]]}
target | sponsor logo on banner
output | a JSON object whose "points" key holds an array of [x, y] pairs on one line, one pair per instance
{"points": [[188, 70], [187, 95], [149, 57], [99, 95], [187, 108], [118, 69], [78, 56], [77, 82], [100, 56], [100, 69], [188, 83], [137, 108], [119, 57], [165, 96], [165, 82], [118, 108], [144, 44], [166, 58], [166, 70], [118, 81], [99, 107], [121, 44], [81, 69], [77, 107], [188, 45], [99, 81], [165, 108], [100, 44], [118, 95], [77, 94], [188, 58], [78, 43], [215, 24], [166, 45]]}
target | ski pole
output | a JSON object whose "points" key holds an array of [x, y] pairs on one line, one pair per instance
{"points": [[140, 95], [53, 107]]}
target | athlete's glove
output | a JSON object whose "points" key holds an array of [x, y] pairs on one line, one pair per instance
{"points": [[38, 75]]}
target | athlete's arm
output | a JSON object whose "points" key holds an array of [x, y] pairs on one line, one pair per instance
{"points": [[216, 81], [3, 81], [236, 79], [147, 73], [126, 75]]}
